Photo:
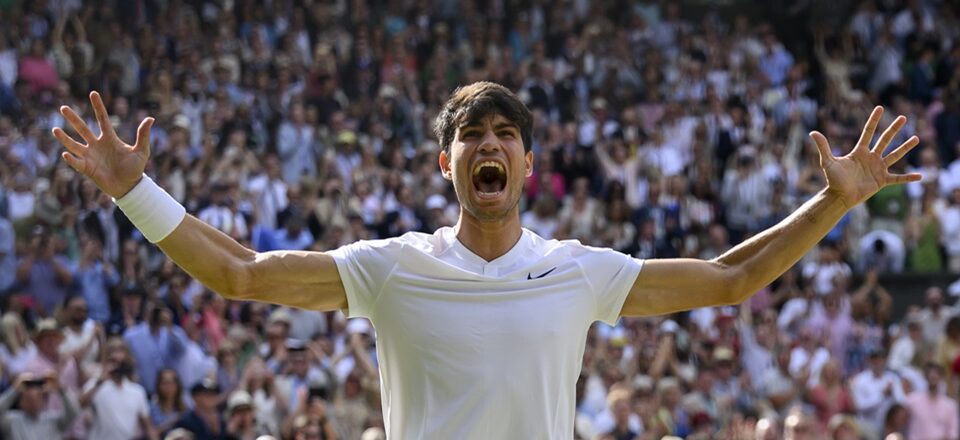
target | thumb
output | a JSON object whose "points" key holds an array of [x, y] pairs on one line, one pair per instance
{"points": [[822, 146], [143, 136]]}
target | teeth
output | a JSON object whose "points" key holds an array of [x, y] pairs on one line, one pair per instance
{"points": [[489, 163]]}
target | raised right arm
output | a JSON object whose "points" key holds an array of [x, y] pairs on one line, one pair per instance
{"points": [[294, 278]]}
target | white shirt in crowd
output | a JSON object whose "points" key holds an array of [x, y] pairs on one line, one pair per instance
{"points": [[870, 398], [117, 410], [471, 349]]}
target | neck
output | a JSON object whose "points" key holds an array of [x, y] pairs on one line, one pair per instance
{"points": [[489, 239]]}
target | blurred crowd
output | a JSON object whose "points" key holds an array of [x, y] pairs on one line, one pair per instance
{"points": [[660, 131]]}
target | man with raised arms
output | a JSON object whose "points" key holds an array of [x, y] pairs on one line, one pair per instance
{"points": [[481, 326]]}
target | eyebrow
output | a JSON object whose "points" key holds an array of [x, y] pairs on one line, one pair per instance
{"points": [[478, 124]]}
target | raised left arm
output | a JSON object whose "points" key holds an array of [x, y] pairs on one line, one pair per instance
{"points": [[673, 285]]}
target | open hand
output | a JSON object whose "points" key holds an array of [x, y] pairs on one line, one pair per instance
{"points": [[112, 164], [865, 171]]}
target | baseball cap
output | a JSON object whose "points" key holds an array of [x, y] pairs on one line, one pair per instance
{"points": [[47, 326], [239, 399], [206, 385], [346, 137], [436, 201], [722, 354]]}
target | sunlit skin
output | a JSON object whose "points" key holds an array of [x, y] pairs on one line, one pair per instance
{"points": [[488, 226]]}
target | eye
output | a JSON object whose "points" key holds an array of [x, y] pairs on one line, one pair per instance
{"points": [[507, 134], [470, 134]]}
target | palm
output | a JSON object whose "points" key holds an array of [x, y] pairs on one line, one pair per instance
{"points": [[111, 163], [865, 170]]}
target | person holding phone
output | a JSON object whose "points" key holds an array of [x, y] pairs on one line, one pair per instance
{"points": [[119, 404], [29, 420]]}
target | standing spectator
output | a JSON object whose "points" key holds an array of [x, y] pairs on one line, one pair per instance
{"points": [[830, 396], [8, 258], [934, 315], [167, 405], [155, 344], [96, 276], [49, 361], [29, 420], [295, 146], [120, 409], [16, 348], [933, 415], [44, 272], [81, 335], [204, 420], [875, 390]]}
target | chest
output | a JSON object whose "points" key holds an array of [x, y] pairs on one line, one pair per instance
{"points": [[470, 320]]}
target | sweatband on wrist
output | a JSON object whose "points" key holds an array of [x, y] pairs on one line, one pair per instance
{"points": [[154, 212]]}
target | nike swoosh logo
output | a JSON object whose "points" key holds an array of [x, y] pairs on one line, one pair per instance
{"points": [[531, 277]]}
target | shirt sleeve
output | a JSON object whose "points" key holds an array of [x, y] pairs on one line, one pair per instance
{"points": [[364, 267], [611, 275]]}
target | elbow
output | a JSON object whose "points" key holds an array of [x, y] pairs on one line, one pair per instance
{"points": [[736, 284], [238, 279]]}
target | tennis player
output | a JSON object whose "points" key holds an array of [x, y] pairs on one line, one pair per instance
{"points": [[481, 327]]}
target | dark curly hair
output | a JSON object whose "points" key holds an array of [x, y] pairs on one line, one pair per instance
{"points": [[472, 103]]}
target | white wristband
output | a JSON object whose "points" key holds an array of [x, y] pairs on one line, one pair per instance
{"points": [[154, 212]]}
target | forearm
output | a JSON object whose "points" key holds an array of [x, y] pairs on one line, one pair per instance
{"points": [[63, 274], [207, 254], [8, 398], [760, 260]]}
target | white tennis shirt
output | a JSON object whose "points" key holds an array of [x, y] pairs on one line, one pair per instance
{"points": [[471, 349]]}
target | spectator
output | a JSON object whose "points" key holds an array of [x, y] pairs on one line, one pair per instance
{"points": [[167, 405], [44, 272], [875, 390], [120, 409], [29, 420], [933, 415], [155, 344], [17, 348], [96, 277], [82, 336], [204, 420]]}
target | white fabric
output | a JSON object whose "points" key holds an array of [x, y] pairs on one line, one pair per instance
{"points": [[154, 212], [471, 349], [117, 409]]}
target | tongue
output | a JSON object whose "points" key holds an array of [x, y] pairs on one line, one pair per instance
{"points": [[490, 186]]}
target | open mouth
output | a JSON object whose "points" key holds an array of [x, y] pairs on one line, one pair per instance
{"points": [[489, 178]]}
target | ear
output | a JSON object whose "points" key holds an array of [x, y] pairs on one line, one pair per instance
{"points": [[446, 168], [528, 158]]}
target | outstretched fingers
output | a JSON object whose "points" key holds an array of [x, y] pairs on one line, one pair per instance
{"points": [[69, 143], [869, 128], [888, 134], [901, 151], [903, 178], [78, 164], [822, 146], [106, 128], [78, 125], [143, 136]]}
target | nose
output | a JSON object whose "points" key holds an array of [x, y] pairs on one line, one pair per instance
{"points": [[490, 143]]}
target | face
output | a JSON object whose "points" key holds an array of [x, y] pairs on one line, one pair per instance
{"points": [[31, 400], [487, 165], [167, 385], [77, 309]]}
